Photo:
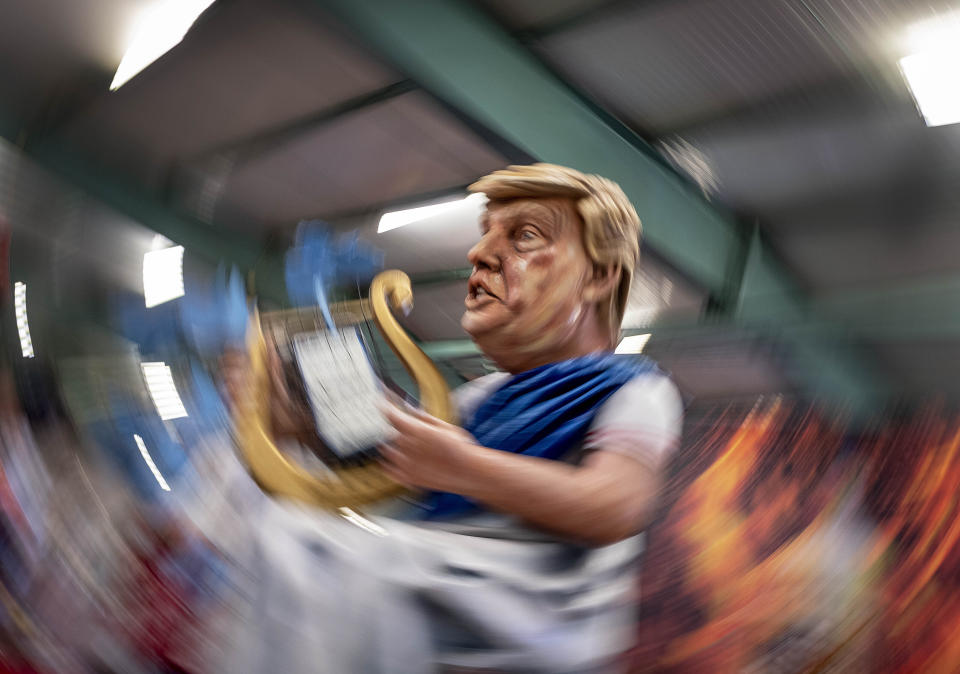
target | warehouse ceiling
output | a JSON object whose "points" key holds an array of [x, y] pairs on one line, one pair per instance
{"points": [[788, 116]]}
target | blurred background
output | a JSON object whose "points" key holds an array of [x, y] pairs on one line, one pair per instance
{"points": [[794, 162]]}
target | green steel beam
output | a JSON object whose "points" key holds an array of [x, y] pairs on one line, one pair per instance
{"points": [[927, 308], [765, 294], [828, 365], [823, 337], [462, 56], [446, 349], [457, 52], [466, 59], [431, 278]]}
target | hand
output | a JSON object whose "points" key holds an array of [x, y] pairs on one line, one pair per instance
{"points": [[428, 453]]}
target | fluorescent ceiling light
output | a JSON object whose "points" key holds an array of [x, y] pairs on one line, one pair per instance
{"points": [[395, 219], [23, 327], [149, 461], [934, 79], [158, 30], [162, 275], [159, 380], [633, 343], [932, 69]]}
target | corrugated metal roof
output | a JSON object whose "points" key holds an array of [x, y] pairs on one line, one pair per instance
{"points": [[406, 146], [249, 67]]}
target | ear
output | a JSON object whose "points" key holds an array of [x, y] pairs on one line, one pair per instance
{"points": [[602, 283]]}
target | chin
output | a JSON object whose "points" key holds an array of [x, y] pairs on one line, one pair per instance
{"points": [[473, 325], [480, 328]]}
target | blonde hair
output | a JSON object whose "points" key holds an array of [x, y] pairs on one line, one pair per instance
{"points": [[611, 227]]}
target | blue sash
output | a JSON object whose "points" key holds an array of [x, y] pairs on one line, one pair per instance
{"points": [[543, 412]]}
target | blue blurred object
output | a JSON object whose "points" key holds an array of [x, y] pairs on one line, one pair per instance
{"points": [[151, 329], [317, 262], [208, 412], [209, 317], [115, 436], [217, 315]]}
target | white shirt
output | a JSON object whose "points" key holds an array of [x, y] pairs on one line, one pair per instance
{"points": [[642, 420]]}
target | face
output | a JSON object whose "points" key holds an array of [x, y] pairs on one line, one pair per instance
{"points": [[528, 297]]}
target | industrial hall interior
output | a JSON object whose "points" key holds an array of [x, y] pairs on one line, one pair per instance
{"points": [[389, 336]]}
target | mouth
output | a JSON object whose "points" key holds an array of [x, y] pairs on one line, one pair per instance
{"points": [[478, 292]]}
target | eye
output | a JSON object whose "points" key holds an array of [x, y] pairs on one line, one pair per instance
{"points": [[527, 237], [527, 233]]}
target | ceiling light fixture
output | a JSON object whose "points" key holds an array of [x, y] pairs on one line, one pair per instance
{"points": [[162, 275], [159, 29], [23, 327], [468, 206], [159, 380], [932, 77], [633, 343], [150, 464], [932, 70]]}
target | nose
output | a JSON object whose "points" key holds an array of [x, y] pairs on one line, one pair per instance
{"points": [[484, 254]]}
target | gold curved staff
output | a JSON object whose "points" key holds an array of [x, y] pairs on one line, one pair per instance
{"points": [[434, 393], [346, 487]]}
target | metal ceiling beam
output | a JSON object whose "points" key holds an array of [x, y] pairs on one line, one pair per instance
{"points": [[271, 139], [432, 278], [828, 367], [927, 308], [461, 55]]}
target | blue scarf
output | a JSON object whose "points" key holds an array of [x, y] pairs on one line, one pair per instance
{"points": [[543, 412]]}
